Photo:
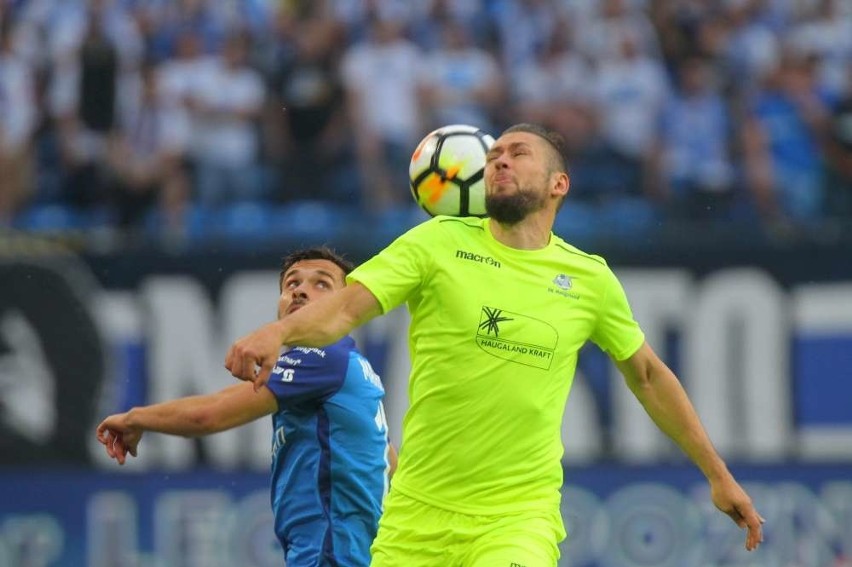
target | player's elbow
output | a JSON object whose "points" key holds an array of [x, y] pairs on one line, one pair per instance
{"points": [[201, 421], [640, 383], [641, 370], [643, 378], [638, 377]]}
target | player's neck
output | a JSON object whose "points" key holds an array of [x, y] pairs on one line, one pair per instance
{"points": [[532, 233]]}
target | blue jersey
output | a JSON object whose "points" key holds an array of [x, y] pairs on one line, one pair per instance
{"points": [[329, 455]]}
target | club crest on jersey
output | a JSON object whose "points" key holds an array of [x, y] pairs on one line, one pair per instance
{"points": [[563, 285], [563, 281]]}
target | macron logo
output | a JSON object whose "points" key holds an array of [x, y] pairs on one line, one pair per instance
{"points": [[464, 255]]}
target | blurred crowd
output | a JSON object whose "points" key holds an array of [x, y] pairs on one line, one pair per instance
{"points": [[164, 115]]}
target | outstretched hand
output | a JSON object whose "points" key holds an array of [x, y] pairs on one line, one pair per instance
{"points": [[118, 438], [253, 357], [730, 498]]}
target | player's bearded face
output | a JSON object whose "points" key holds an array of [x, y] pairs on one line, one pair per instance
{"points": [[511, 207]]}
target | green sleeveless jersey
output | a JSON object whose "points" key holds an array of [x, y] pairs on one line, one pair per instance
{"points": [[494, 337]]}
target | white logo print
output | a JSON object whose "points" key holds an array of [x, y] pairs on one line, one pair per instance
{"points": [[563, 281], [370, 374]]}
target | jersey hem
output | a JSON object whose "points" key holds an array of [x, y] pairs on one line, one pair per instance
{"points": [[627, 353], [383, 301], [495, 510]]}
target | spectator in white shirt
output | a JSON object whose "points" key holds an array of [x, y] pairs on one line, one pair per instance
{"points": [[18, 113], [557, 89], [692, 164], [463, 83], [381, 77], [225, 104], [631, 89], [827, 34], [147, 156]]}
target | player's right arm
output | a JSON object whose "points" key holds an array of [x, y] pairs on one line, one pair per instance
{"points": [[191, 416], [664, 399], [317, 324]]}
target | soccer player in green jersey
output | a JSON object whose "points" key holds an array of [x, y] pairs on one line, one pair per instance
{"points": [[499, 308]]}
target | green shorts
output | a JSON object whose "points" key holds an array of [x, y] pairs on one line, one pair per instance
{"points": [[416, 534]]}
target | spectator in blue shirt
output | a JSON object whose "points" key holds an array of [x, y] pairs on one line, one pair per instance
{"points": [[781, 142]]}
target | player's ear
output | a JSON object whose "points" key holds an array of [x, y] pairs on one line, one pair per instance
{"points": [[561, 184]]}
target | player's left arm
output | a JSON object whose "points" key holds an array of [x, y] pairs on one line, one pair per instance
{"points": [[191, 416], [661, 394]]}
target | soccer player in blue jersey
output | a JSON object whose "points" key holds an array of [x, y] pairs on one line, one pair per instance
{"points": [[331, 460]]}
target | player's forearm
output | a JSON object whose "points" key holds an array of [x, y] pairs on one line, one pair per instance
{"points": [[667, 404], [326, 321], [322, 329], [187, 417]]}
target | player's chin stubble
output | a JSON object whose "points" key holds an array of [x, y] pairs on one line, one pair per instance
{"points": [[512, 209]]}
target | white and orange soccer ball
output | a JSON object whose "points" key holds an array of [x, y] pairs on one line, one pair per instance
{"points": [[446, 171]]}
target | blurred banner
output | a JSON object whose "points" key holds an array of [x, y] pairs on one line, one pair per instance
{"points": [[617, 516], [767, 362]]}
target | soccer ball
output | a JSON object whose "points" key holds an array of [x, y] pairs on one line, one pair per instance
{"points": [[446, 171]]}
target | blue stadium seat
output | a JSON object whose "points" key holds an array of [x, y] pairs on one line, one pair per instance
{"points": [[577, 221], [315, 220], [52, 218], [398, 220], [99, 217], [197, 223], [246, 219], [628, 217]]}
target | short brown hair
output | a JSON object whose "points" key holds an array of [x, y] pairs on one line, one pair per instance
{"points": [[554, 140], [314, 253]]}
